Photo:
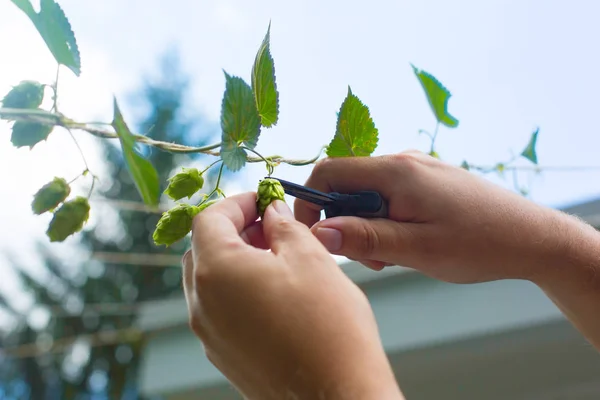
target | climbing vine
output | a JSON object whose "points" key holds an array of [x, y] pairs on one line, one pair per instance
{"points": [[247, 109]]}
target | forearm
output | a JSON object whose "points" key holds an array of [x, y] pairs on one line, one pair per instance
{"points": [[572, 282]]}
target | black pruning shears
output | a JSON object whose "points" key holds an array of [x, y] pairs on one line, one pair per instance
{"points": [[364, 204]]}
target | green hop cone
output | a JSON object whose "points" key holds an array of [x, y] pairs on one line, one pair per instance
{"points": [[68, 219], [26, 133], [184, 184], [50, 196], [175, 224], [27, 94], [269, 190]]}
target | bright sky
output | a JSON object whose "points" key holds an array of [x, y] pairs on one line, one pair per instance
{"points": [[511, 65]]}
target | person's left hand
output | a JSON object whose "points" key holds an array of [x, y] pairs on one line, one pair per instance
{"points": [[285, 323]]}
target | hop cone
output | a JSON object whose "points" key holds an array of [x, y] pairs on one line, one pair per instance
{"points": [[27, 94], [175, 224], [50, 196], [26, 133], [184, 184], [68, 219], [269, 190]]}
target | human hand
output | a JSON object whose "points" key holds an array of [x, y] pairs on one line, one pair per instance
{"points": [[281, 324], [443, 220]]}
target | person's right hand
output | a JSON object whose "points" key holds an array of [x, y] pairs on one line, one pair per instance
{"points": [[443, 220]]}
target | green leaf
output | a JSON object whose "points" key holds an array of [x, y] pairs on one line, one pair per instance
{"points": [[26, 7], [54, 27], [240, 122], [27, 94], [264, 85], [438, 97], [143, 173], [529, 152], [355, 133], [28, 133]]}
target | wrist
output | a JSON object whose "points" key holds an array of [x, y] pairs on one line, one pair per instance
{"points": [[368, 377], [570, 258]]}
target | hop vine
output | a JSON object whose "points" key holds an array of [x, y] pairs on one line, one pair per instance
{"points": [[248, 112]]}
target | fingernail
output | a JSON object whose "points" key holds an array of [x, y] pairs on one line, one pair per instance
{"points": [[282, 209], [330, 238]]}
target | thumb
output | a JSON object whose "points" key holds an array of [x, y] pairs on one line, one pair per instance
{"points": [[381, 240], [283, 233]]}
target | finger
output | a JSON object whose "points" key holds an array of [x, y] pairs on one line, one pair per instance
{"points": [[374, 265], [345, 174], [283, 233], [371, 264], [368, 240], [254, 236], [218, 227], [237, 211], [187, 265]]}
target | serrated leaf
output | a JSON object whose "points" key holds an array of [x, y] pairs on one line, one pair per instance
{"points": [[240, 122], [264, 85], [29, 133], [142, 171], [54, 27], [437, 96], [356, 134], [27, 94], [26, 7], [530, 152]]}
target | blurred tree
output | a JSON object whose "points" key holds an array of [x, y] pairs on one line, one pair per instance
{"points": [[85, 371]]}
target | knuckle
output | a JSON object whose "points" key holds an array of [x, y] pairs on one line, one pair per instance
{"points": [[407, 161], [195, 324], [202, 277], [322, 164], [369, 241], [210, 355], [287, 227], [209, 267]]}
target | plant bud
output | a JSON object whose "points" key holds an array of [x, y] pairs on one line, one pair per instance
{"points": [[175, 224], [68, 219], [184, 184], [269, 190], [27, 94], [50, 196], [26, 133]]}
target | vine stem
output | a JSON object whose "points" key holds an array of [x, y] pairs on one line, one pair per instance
{"points": [[55, 90], [537, 168], [79, 149], [209, 167], [47, 117], [55, 118], [433, 137], [216, 189], [270, 167]]}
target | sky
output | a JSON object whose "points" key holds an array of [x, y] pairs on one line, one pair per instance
{"points": [[511, 66]]}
